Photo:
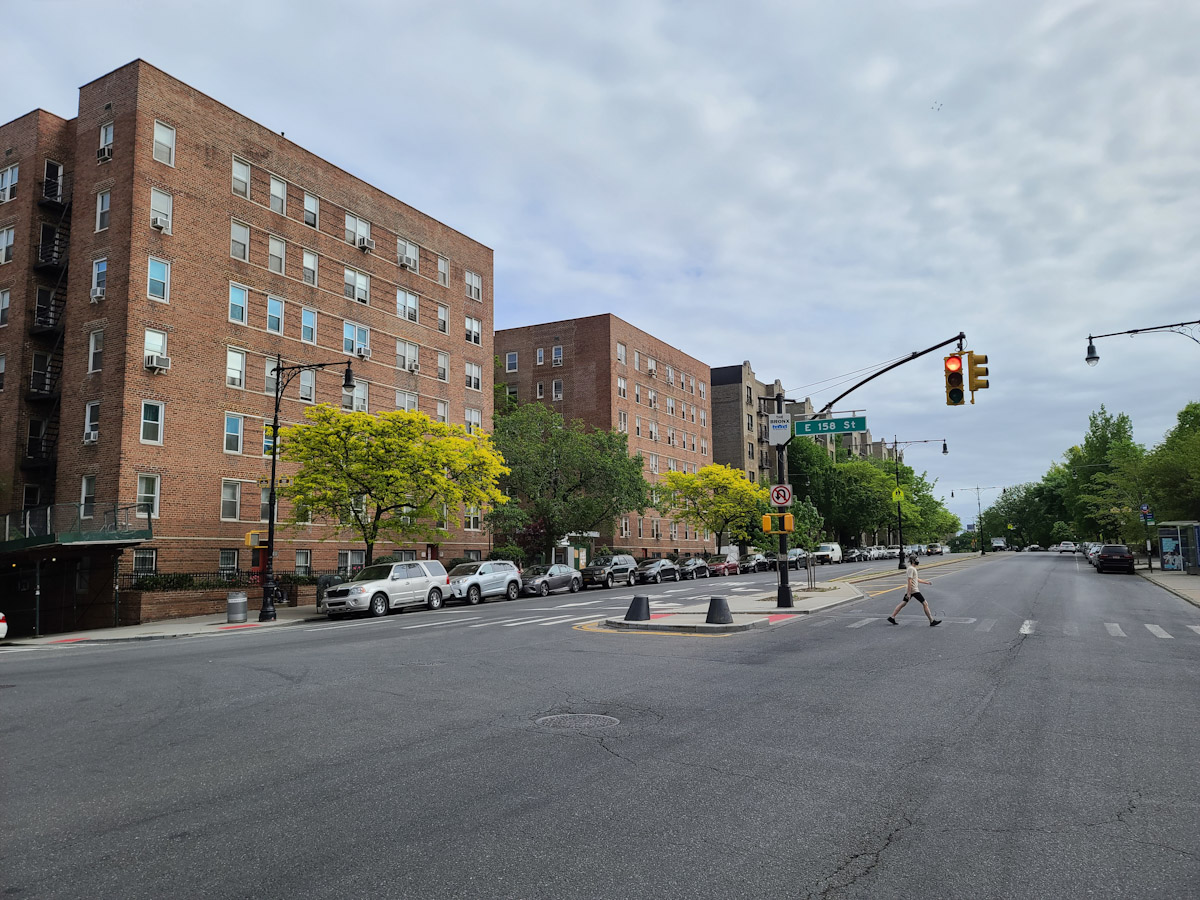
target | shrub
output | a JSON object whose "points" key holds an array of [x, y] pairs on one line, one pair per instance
{"points": [[510, 552]]}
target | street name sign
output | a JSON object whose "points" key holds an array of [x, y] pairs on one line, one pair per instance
{"points": [[781, 494], [843, 425], [779, 429]]}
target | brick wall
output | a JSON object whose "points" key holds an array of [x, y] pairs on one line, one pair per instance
{"points": [[152, 606]]}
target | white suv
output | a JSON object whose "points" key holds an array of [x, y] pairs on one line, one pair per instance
{"points": [[1066, 547], [378, 589], [828, 553], [476, 581]]}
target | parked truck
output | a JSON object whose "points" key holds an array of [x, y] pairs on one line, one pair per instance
{"points": [[998, 544]]}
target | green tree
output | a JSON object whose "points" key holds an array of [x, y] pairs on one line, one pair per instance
{"points": [[563, 478], [862, 500], [715, 498], [387, 476], [1173, 469]]}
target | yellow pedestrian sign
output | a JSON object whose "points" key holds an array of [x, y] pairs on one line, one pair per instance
{"points": [[897, 495]]}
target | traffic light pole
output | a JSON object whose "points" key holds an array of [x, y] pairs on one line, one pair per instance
{"points": [[961, 338], [784, 591]]}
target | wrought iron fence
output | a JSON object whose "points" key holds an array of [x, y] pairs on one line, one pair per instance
{"points": [[200, 581]]}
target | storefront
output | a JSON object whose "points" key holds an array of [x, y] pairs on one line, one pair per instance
{"points": [[1179, 543]]}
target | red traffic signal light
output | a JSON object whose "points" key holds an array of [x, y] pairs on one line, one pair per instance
{"points": [[954, 380]]}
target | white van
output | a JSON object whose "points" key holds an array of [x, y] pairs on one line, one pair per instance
{"points": [[828, 553]]}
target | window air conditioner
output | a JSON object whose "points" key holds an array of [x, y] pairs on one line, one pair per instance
{"points": [[104, 154], [158, 363], [363, 352], [408, 262], [653, 373], [557, 361], [90, 437], [365, 244], [4, 195], [160, 223], [414, 367], [97, 294]]}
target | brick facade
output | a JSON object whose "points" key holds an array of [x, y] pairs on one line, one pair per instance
{"points": [[741, 404]]}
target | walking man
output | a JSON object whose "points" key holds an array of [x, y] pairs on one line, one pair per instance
{"points": [[912, 593]]}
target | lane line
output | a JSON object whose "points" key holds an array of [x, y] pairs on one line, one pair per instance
{"points": [[441, 624], [1028, 627], [1114, 629], [985, 625], [346, 625], [1159, 632], [861, 622], [581, 603]]}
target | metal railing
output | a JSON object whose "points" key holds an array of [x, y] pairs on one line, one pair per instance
{"points": [[99, 519], [210, 580]]}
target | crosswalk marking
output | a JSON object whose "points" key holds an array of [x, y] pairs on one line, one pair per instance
{"points": [[1028, 627], [497, 622], [440, 624], [1114, 629], [1159, 632], [861, 622], [985, 625], [545, 620], [580, 603], [1195, 628]]}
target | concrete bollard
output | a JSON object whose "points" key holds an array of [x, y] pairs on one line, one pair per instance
{"points": [[639, 610], [236, 606], [718, 612]]}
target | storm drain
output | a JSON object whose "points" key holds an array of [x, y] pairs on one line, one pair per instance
{"points": [[577, 721]]}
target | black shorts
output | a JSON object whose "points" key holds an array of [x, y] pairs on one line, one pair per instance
{"points": [[916, 595]]}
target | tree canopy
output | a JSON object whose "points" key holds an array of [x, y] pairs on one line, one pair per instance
{"points": [[715, 498]]}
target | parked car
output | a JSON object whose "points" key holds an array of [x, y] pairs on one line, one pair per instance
{"points": [[722, 565], [1091, 552], [694, 567], [378, 589], [3, 627], [857, 554], [1035, 548], [752, 562], [893, 551], [655, 571], [544, 579], [879, 552], [476, 581], [797, 558], [830, 552], [1066, 547], [1114, 556], [772, 561], [935, 549], [605, 571]]}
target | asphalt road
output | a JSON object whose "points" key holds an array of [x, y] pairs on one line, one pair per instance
{"points": [[1041, 742]]}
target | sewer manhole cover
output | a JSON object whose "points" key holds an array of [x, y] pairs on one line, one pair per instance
{"points": [[577, 722]]}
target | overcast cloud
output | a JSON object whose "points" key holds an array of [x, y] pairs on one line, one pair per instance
{"points": [[814, 187]]}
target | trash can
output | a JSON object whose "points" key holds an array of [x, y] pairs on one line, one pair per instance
{"points": [[236, 606]]}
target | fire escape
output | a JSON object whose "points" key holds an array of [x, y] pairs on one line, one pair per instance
{"points": [[44, 390]]}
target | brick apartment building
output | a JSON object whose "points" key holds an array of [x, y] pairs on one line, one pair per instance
{"points": [[613, 376], [156, 252], [741, 404]]}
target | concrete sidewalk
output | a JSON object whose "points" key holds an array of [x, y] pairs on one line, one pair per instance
{"points": [[1179, 583]]}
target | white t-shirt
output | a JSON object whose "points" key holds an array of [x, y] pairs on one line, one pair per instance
{"points": [[914, 584]]}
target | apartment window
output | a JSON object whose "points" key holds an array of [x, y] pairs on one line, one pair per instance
{"points": [[238, 298], [152, 422], [637, 361], [703, 417], [241, 178], [103, 202], [4, 300], [356, 228], [620, 353], [443, 270], [653, 463], [510, 362], [674, 530], [239, 241], [276, 251], [637, 426], [355, 338], [474, 420], [443, 322], [164, 143], [278, 195], [264, 504], [158, 285], [304, 562], [474, 330], [308, 386], [556, 389], [6, 245], [474, 286], [474, 376], [702, 390], [312, 209], [670, 406], [750, 450], [231, 507], [541, 356], [235, 427], [91, 417], [8, 183], [3, 364], [671, 375], [749, 422], [310, 267], [471, 518], [162, 206], [623, 421], [95, 350], [406, 305], [541, 390], [510, 392], [357, 285], [270, 382], [408, 254], [406, 400], [308, 326], [356, 399], [235, 368], [154, 342], [407, 354], [275, 315], [442, 410], [148, 494], [87, 497], [145, 562], [556, 357]]}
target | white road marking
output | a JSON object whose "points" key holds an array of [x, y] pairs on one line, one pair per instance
{"points": [[18, 649], [1114, 629], [821, 622], [861, 622], [1028, 627], [580, 603], [347, 625], [985, 625], [540, 621], [497, 622], [437, 624], [1159, 632], [1071, 629], [1195, 628]]}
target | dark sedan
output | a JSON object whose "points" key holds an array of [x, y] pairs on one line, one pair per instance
{"points": [[1116, 557], [655, 571], [693, 567], [753, 562], [544, 579], [722, 565]]}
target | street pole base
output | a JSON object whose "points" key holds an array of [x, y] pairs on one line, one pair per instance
{"points": [[784, 596], [267, 613]]}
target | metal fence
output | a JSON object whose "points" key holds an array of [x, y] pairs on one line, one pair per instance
{"points": [[91, 518], [200, 581]]}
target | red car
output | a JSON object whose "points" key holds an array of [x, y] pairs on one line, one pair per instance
{"points": [[722, 565]]}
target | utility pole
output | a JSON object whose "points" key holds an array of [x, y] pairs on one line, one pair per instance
{"points": [[784, 594]]}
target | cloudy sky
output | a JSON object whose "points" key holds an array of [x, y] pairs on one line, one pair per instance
{"points": [[813, 186]]}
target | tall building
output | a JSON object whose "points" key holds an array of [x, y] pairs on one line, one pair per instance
{"points": [[156, 253], [741, 405], [613, 376]]}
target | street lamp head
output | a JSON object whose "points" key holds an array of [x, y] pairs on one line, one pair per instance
{"points": [[348, 381], [945, 449], [1092, 356]]}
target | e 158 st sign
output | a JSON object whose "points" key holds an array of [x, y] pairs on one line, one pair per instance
{"points": [[831, 426]]}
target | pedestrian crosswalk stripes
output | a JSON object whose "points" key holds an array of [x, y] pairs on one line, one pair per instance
{"points": [[985, 625], [1027, 626], [1114, 629], [1158, 632]]}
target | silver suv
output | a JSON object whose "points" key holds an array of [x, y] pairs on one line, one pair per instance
{"points": [[378, 589], [476, 581]]}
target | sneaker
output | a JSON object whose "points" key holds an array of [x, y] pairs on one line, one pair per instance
{"points": [[935, 622], [891, 621]]}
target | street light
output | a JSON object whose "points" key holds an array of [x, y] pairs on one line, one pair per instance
{"points": [[1093, 357], [283, 376], [896, 453], [979, 511]]}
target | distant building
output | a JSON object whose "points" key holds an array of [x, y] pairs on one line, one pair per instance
{"points": [[741, 405]]}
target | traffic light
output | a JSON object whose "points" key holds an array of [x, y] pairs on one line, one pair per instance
{"points": [[789, 522], [954, 380], [766, 523], [977, 373]]}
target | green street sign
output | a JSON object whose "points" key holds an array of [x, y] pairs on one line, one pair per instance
{"points": [[831, 426]]}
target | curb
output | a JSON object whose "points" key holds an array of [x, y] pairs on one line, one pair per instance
{"points": [[696, 628], [1192, 600], [154, 637]]}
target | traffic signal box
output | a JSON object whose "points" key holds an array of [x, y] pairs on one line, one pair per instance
{"points": [[954, 380], [976, 373], [789, 523]]}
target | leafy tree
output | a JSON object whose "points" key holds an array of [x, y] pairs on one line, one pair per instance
{"points": [[716, 498], [862, 500], [387, 476], [1059, 532], [1173, 469], [563, 478]]}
